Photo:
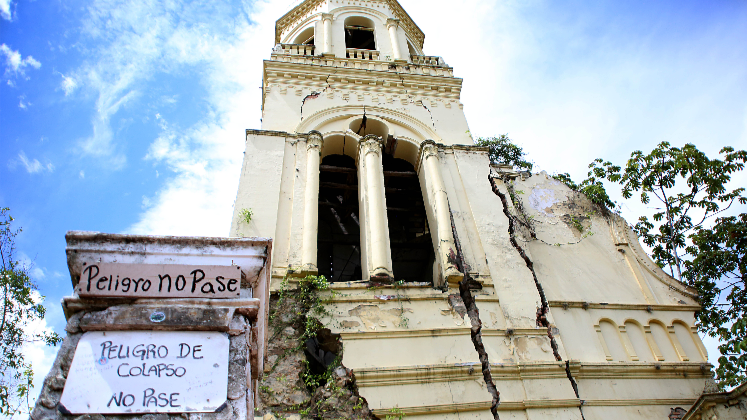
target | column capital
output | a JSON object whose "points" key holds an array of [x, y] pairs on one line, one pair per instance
{"points": [[371, 144], [314, 140], [392, 22], [428, 148], [327, 16]]}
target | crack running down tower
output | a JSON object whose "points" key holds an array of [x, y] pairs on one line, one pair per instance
{"points": [[465, 290]]}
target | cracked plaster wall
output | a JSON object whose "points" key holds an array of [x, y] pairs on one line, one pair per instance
{"points": [[408, 346]]}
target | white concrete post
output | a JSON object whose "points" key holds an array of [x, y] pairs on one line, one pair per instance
{"points": [[327, 20], [392, 25], [311, 203], [370, 150], [446, 246]]}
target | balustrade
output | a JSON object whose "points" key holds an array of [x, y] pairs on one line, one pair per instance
{"points": [[362, 54], [428, 60], [367, 59], [296, 49]]}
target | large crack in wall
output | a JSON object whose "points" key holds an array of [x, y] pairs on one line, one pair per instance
{"points": [[465, 292], [544, 309], [315, 94]]}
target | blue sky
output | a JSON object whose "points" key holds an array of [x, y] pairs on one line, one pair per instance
{"points": [[127, 116]]}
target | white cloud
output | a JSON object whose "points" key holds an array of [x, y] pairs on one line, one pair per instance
{"points": [[32, 166], [5, 11], [69, 84], [23, 103], [81, 174], [138, 40], [204, 159], [15, 64]]}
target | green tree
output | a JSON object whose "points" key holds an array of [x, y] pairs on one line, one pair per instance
{"points": [[717, 269], [689, 191], [21, 306], [592, 187], [503, 151], [687, 188]]}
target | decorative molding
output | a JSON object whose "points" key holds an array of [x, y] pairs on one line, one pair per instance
{"points": [[467, 371], [631, 241], [393, 116], [621, 306], [273, 133], [392, 22], [480, 406], [531, 404], [440, 332], [314, 141], [370, 144], [428, 148]]}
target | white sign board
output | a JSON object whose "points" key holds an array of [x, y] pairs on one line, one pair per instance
{"points": [[159, 280], [128, 372]]}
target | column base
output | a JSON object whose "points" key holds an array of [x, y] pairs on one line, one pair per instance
{"points": [[382, 275], [453, 276], [308, 270]]}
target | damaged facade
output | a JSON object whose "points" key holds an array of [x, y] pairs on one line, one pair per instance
{"points": [[461, 290], [458, 290]]}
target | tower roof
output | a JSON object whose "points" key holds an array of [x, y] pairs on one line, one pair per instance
{"points": [[298, 12]]}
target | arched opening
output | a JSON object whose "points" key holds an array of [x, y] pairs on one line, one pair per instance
{"points": [[638, 339], [611, 336], [364, 126], [409, 234], [661, 337], [359, 33], [687, 341], [411, 48], [306, 37], [338, 238]]}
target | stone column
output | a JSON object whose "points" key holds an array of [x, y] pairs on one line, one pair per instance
{"points": [[311, 203], [446, 251], [327, 21], [392, 25], [378, 228]]}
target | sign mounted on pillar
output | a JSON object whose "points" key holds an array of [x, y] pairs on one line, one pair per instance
{"points": [[159, 280], [147, 372]]}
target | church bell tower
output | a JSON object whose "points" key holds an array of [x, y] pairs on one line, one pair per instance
{"points": [[360, 183], [461, 289]]}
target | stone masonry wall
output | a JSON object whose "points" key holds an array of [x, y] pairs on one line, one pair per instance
{"points": [[238, 370]]}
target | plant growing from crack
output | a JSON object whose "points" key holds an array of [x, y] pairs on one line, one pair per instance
{"points": [[395, 414], [404, 322], [245, 215]]}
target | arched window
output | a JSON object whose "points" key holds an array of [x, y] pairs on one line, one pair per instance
{"points": [[661, 338], [359, 33], [611, 336], [638, 340], [306, 37], [409, 234], [338, 238], [687, 341], [411, 48]]}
